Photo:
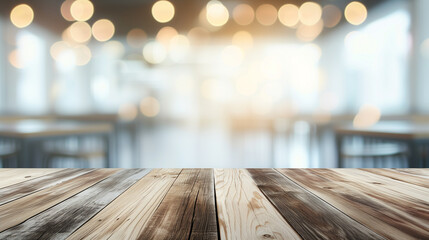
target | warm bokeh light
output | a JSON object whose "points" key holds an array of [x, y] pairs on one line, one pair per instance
{"points": [[15, 60], [232, 56], [310, 13], [65, 10], [266, 14], [289, 15], [80, 32], [154, 52], [127, 112], [136, 37], [198, 35], [367, 116], [165, 35], [114, 48], [243, 14], [57, 48], [309, 33], [149, 107], [179, 48], [216, 13], [82, 10], [331, 15], [243, 39], [163, 11], [21, 16], [83, 54], [103, 30], [246, 85], [355, 13]]}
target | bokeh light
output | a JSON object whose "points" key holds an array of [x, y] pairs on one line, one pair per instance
{"points": [[424, 48], [83, 54], [154, 52], [103, 30], [65, 10], [179, 48], [355, 13], [243, 14], [246, 85], [309, 33], [243, 39], [163, 11], [15, 60], [165, 35], [149, 106], [266, 14], [80, 32], [21, 16], [82, 10], [57, 48], [289, 15], [127, 112], [367, 116], [310, 13], [136, 37], [216, 13], [114, 48], [198, 35], [331, 15]]}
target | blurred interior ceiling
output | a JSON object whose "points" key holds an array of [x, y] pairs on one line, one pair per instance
{"points": [[128, 14]]}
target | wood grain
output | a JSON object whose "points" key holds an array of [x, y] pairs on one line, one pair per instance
{"points": [[244, 212], [22, 189], [174, 216], [310, 216], [10, 176], [127, 215], [16, 212], [205, 220], [358, 202], [61, 220], [400, 176]]}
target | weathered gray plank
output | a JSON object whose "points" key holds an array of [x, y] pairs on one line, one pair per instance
{"points": [[22, 189], [61, 220]]}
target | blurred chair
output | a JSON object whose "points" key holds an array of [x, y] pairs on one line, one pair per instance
{"points": [[79, 148], [8, 154], [367, 152]]}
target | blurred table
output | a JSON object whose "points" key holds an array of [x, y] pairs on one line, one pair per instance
{"points": [[27, 133], [215, 204], [414, 135]]}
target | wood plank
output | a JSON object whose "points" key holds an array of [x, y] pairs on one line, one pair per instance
{"points": [[61, 220], [310, 216], [205, 220], [16, 212], [421, 172], [10, 176], [174, 216], [244, 212], [125, 219], [400, 176], [360, 202], [13, 192]]}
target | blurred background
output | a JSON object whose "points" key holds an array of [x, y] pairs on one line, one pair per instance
{"points": [[232, 83]]}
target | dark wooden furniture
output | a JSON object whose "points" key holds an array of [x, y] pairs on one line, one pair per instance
{"points": [[415, 136], [214, 204], [28, 135]]}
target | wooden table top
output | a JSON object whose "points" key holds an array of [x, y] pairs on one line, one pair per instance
{"points": [[214, 203], [393, 129], [43, 128]]}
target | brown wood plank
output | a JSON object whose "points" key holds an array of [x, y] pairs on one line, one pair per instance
{"points": [[17, 211], [127, 215], [61, 220], [10, 176], [205, 220], [421, 172], [310, 216], [13, 192], [174, 216], [400, 176], [244, 212], [360, 202]]}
